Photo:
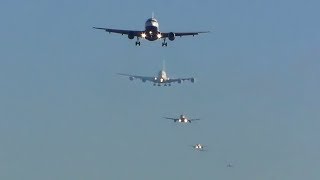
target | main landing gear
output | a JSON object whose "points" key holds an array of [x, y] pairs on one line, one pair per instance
{"points": [[164, 43], [137, 42], [159, 84]]}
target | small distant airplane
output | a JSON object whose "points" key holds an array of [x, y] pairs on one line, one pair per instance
{"points": [[198, 147], [162, 78], [229, 165], [151, 32], [182, 119]]}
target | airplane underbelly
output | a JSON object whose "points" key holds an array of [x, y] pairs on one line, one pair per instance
{"points": [[151, 33], [152, 38]]}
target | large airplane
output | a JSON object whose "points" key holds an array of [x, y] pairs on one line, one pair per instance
{"points": [[151, 32], [181, 119], [162, 78]]}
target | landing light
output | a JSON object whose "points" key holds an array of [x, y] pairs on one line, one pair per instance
{"points": [[143, 35], [159, 36]]}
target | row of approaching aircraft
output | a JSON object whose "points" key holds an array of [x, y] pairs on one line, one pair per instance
{"points": [[183, 119], [151, 32]]}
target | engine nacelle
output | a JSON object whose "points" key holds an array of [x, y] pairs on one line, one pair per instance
{"points": [[179, 81], [144, 80], [172, 36], [131, 35], [131, 78], [192, 80]]}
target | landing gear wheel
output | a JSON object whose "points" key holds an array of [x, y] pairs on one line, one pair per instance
{"points": [[137, 42], [164, 43]]}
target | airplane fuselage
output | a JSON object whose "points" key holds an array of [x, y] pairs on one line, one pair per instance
{"points": [[151, 30], [183, 119], [198, 146], [162, 77]]}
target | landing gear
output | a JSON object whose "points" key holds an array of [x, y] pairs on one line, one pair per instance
{"points": [[164, 43], [154, 84], [137, 42]]}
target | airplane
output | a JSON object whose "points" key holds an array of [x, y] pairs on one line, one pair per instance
{"points": [[151, 32], [229, 165], [162, 78], [182, 119], [199, 147]]}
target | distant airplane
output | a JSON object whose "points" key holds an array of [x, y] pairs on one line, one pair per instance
{"points": [[151, 32], [182, 119], [162, 78], [199, 147], [229, 165]]}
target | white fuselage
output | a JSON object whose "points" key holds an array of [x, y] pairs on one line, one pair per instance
{"points": [[183, 119], [151, 30], [198, 146], [162, 77]]}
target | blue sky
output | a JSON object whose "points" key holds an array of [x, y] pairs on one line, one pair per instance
{"points": [[65, 114]]}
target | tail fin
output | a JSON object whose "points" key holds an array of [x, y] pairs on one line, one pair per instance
{"points": [[152, 15], [163, 65]]}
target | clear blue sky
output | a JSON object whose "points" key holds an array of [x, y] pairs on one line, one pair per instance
{"points": [[65, 114]]}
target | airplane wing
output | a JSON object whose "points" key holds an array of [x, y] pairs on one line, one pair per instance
{"points": [[165, 35], [194, 119], [142, 78], [132, 33], [175, 119], [180, 80]]}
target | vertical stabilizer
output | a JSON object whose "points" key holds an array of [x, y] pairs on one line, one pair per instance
{"points": [[163, 65]]}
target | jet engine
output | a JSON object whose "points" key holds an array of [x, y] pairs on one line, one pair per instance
{"points": [[131, 78], [192, 80], [172, 36], [179, 81], [131, 35], [143, 80]]}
